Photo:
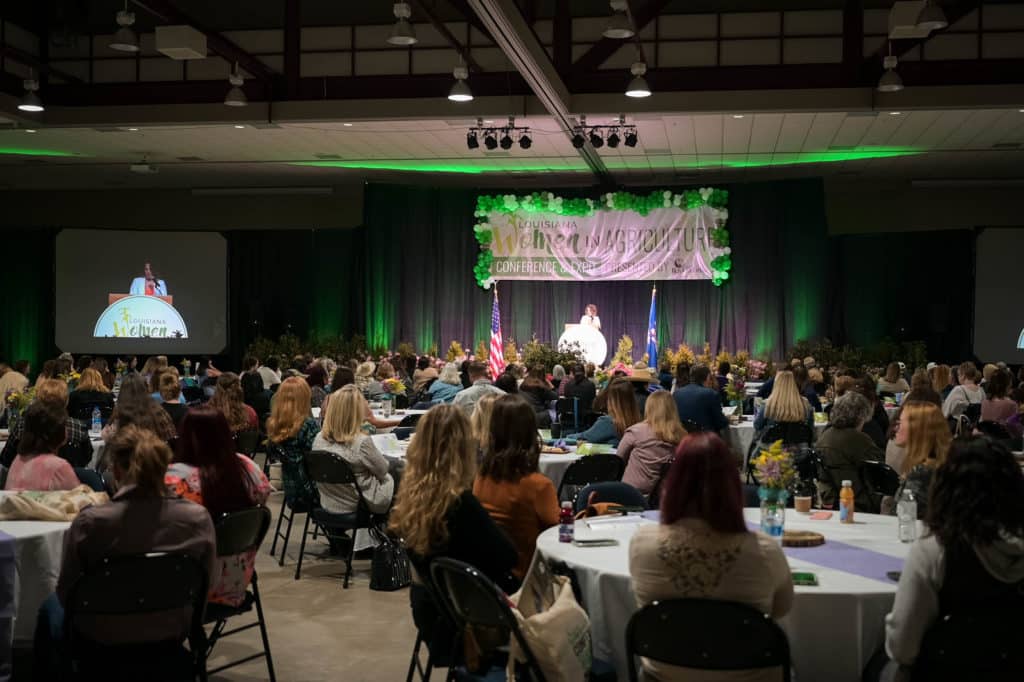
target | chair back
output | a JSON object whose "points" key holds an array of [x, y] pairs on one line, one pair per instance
{"points": [[994, 430], [472, 599], [592, 469], [982, 643], [156, 584], [193, 395], [241, 531], [410, 421], [567, 409], [719, 635], [91, 478], [790, 433], [692, 426], [247, 441], [880, 480], [326, 467], [654, 499]]}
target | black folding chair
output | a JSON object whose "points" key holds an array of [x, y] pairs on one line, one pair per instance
{"points": [[445, 624], [326, 467], [880, 480], [982, 643], [289, 508], [994, 430], [692, 426], [590, 469], [119, 591], [715, 635], [654, 499], [91, 478], [790, 433], [247, 441], [567, 409], [473, 600], [237, 533], [410, 421]]}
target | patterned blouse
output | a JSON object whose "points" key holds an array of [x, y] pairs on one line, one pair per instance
{"points": [[292, 454], [232, 574]]}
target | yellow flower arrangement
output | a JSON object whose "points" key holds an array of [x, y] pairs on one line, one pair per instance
{"points": [[775, 467], [394, 386], [682, 355], [19, 400]]}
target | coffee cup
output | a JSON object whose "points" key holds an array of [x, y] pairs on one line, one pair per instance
{"points": [[802, 503]]}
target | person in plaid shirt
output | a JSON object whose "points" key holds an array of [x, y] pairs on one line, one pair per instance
{"points": [[77, 450]]}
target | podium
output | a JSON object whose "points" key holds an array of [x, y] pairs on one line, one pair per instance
{"points": [[589, 339], [114, 298]]}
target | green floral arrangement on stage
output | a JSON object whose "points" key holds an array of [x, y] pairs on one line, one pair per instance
{"points": [[548, 202]]}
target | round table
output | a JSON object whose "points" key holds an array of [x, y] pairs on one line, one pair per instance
{"points": [[833, 628], [554, 466], [38, 551], [741, 435]]}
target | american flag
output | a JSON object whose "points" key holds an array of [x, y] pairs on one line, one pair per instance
{"points": [[496, 357]]}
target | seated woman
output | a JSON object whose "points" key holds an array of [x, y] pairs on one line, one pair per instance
{"points": [[843, 447], [77, 448], [424, 374], [207, 470], [136, 406], [316, 378], [648, 445], [255, 394], [806, 387], [876, 427], [229, 401], [972, 553], [997, 406], [37, 466], [539, 393], [893, 381], [142, 518], [290, 435], [520, 499], [447, 385], [170, 394], [436, 515], [90, 393], [481, 420], [622, 414], [966, 394], [343, 377], [342, 435], [371, 388], [925, 438], [785, 405], [702, 548], [942, 380]]}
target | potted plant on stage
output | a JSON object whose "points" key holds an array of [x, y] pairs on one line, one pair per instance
{"points": [[775, 473]]}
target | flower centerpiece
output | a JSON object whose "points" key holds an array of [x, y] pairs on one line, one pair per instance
{"points": [[394, 386], [736, 389], [757, 369], [17, 401], [775, 473]]}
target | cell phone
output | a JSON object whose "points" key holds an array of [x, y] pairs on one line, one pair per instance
{"points": [[805, 579], [894, 575]]}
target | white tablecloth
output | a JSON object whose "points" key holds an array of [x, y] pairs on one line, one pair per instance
{"points": [[39, 547], [554, 466], [833, 628], [741, 435]]}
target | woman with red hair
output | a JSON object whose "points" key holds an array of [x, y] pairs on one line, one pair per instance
{"points": [[702, 548]]}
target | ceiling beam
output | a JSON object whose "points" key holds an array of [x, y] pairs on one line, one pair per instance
{"points": [[168, 13], [463, 8], [955, 11], [520, 45], [441, 28], [592, 59]]}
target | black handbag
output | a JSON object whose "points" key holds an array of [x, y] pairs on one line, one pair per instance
{"points": [[389, 568]]}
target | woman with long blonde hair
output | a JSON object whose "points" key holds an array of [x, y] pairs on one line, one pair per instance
{"points": [[342, 435], [785, 405], [90, 393], [436, 514], [648, 445], [924, 434], [481, 419], [942, 380], [291, 430]]}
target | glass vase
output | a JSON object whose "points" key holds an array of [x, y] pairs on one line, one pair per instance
{"points": [[773, 511]]}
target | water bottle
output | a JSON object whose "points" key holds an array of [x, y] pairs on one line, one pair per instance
{"points": [[846, 502], [566, 523], [906, 512], [97, 423]]}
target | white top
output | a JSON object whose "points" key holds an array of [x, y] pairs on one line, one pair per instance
{"points": [[138, 287], [591, 321]]}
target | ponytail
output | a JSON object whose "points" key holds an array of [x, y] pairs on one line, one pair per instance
{"points": [[141, 458]]}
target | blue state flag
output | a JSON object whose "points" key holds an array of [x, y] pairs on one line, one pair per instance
{"points": [[652, 333]]}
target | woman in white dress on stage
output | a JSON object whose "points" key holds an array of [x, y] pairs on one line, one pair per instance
{"points": [[590, 317]]}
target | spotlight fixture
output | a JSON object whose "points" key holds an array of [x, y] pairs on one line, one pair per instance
{"points": [[506, 140], [596, 141], [890, 80], [525, 142], [471, 140], [619, 25], [613, 135], [630, 138], [460, 91], [125, 39], [578, 140], [613, 138], [638, 87], [236, 96], [30, 100], [491, 139], [505, 137], [403, 34], [931, 18]]}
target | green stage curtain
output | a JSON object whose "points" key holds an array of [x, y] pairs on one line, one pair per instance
{"points": [[26, 295]]}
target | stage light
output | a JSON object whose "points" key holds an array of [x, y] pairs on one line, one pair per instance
{"points": [[638, 87], [578, 140], [890, 80], [631, 138], [613, 138], [403, 34], [506, 140], [524, 140], [30, 101], [595, 139], [471, 140], [236, 96], [125, 39], [619, 26], [491, 139], [931, 18], [460, 91]]}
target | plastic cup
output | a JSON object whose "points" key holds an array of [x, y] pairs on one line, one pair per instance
{"points": [[802, 503]]}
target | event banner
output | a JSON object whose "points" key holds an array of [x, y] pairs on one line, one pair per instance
{"points": [[666, 243]]}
